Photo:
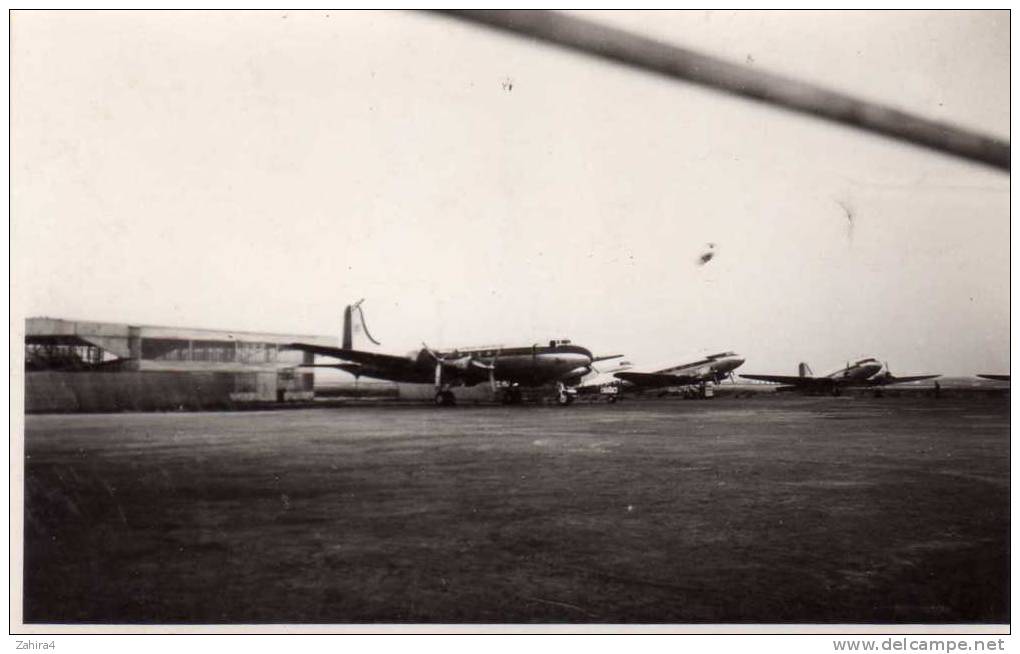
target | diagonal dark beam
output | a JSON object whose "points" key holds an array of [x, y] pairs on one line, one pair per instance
{"points": [[673, 61]]}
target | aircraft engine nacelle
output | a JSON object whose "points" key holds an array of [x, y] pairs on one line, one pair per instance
{"points": [[577, 373], [463, 363]]}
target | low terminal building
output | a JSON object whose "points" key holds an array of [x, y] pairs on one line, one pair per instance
{"points": [[73, 365]]}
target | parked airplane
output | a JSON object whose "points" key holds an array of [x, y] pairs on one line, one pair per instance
{"points": [[865, 373], [601, 380], [625, 377], [711, 368], [505, 368]]}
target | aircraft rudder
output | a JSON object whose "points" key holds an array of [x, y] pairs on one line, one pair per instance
{"points": [[345, 335]]}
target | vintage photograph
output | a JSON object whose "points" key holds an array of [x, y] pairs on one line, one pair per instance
{"points": [[544, 319]]}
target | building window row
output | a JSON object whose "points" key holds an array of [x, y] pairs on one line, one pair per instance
{"points": [[170, 349]]}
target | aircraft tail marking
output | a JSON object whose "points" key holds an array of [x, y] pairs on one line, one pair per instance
{"points": [[355, 326]]}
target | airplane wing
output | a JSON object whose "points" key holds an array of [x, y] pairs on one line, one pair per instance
{"points": [[995, 377], [357, 356], [781, 379], [389, 364], [652, 379], [885, 381]]}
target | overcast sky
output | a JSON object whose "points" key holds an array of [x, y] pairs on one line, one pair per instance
{"points": [[258, 170]]}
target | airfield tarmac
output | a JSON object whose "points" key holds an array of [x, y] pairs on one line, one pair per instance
{"points": [[776, 510]]}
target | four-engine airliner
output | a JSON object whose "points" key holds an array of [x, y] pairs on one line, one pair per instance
{"points": [[557, 363]]}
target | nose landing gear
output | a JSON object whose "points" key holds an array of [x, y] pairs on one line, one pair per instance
{"points": [[564, 396]]}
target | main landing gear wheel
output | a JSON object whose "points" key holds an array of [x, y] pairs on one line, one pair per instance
{"points": [[564, 399], [445, 398], [511, 396]]}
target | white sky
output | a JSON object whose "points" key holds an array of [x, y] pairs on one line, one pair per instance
{"points": [[259, 170]]}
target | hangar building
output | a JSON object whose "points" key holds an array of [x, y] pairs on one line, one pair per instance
{"points": [[73, 365]]}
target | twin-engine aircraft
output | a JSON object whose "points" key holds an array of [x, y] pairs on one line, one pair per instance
{"points": [[712, 368], [865, 373], [506, 369]]}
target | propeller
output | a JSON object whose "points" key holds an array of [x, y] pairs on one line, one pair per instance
{"points": [[439, 364], [492, 375], [462, 362], [491, 367]]}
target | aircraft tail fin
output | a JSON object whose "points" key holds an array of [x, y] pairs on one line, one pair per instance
{"points": [[804, 370], [355, 328]]}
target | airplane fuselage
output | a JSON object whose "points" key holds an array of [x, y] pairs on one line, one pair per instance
{"points": [[711, 368], [527, 365], [856, 373], [531, 365]]}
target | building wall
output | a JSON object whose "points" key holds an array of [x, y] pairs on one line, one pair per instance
{"points": [[68, 392], [167, 368]]}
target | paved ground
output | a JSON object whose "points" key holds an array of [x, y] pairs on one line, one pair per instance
{"points": [[729, 510]]}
